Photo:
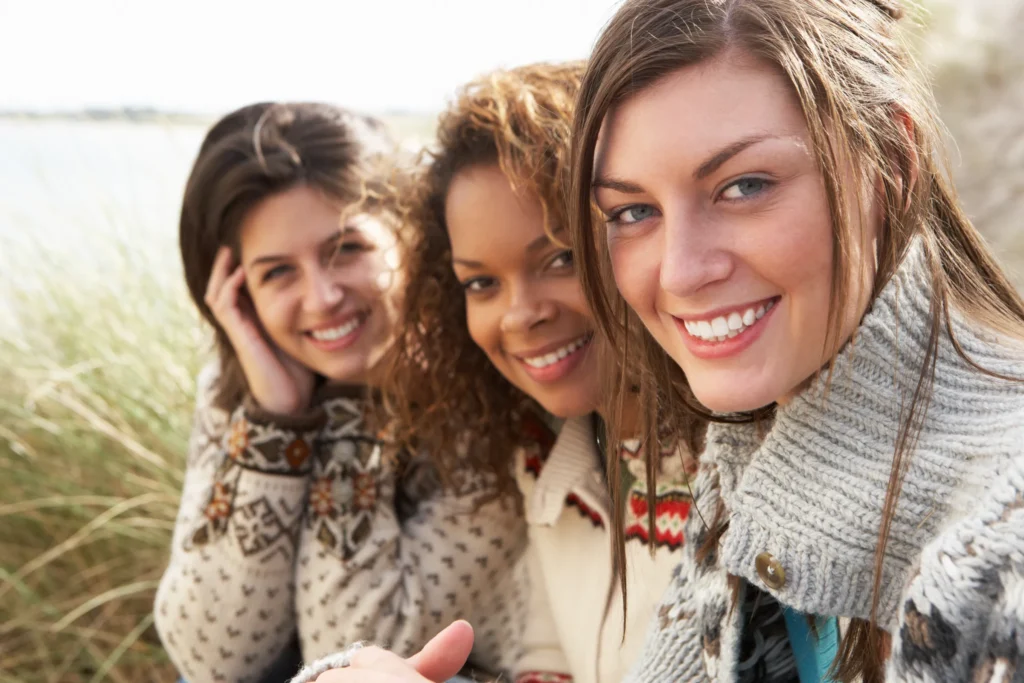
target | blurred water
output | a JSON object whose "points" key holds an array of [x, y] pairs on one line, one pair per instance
{"points": [[86, 201], [67, 183]]}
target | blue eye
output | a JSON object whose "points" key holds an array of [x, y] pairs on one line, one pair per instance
{"points": [[744, 188], [633, 214]]}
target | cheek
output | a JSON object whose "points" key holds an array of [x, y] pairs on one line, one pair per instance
{"points": [[483, 328], [635, 267], [275, 310], [569, 296]]}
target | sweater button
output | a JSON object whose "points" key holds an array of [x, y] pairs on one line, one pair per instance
{"points": [[770, 571]]}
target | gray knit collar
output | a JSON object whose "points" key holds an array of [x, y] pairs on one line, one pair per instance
{"points": [[809, 488]]}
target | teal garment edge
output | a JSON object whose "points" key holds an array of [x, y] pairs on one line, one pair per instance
{"points": [[813, 655]]}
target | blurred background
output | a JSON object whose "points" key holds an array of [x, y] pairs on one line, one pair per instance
{"points": [[102, 108]]}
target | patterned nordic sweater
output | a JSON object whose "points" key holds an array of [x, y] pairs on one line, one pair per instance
{"points": [[303, 524], [805, 498], [572, 626]]}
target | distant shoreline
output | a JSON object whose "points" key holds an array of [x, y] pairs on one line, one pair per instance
{"points": [[404, 124], [115, 115]]}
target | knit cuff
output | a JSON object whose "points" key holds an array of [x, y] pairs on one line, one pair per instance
{"points": [[338, 660], [272, 444], [310, 419], [543, 677]]}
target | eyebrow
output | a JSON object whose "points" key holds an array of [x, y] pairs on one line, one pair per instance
{"points": [[533, 246], [703, 171], [276, 258]]}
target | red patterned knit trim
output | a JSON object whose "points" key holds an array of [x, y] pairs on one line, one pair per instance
{"points": [[542, 438], [670, 513], [543, 677], [533, 463], [574, 501]]}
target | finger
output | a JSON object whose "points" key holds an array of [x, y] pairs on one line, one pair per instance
{"points": [[350, 675], [446, 653], [227, 298], [219, 273], [380, 660]]}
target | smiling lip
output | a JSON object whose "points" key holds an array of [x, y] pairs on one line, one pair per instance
{"points": [[731, 346], [350, 326], [561, 367]]}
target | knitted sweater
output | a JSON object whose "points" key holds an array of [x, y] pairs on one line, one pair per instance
{"points": [[569, 512], [571, 629], [304, 524], [809, 493]]}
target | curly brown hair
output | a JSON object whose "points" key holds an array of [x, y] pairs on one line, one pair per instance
{"points": [[441, 390]]}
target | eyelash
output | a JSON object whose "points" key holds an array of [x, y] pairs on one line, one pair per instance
{"points": [[342, 249], [613, 218], [485, 283], [359, 246], [467, 285], [564, 254], [274, 273]]}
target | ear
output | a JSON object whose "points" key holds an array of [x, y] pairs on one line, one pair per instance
{"points": [[908, 128]]}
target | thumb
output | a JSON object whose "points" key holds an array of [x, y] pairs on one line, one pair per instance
{"points": [[446, 653]]}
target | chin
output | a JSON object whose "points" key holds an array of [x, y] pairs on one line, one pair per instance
{"points": [[345, 374], [565, 408], [718, 401]]}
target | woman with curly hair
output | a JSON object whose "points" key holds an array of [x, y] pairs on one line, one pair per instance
{"points": [[498, 352], [297, 521]]}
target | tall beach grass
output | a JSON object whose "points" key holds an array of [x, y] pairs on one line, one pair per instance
{"points": [[97, 360]]}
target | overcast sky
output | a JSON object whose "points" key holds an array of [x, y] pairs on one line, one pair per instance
{"points": [[211, 55]]}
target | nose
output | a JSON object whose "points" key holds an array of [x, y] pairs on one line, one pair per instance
{"points": [[694, 255], [323, 292], [527, 308]]}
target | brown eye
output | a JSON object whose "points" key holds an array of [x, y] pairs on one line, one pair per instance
{"points": [[564, 259], [475, 285], [275, 272]]}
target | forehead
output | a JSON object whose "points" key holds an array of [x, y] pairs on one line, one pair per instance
{"points": [[695, 111], [300, 219], [487, 220]]}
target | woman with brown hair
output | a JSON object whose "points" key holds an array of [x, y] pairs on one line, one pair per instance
{"points": [[296, 519], [779, 234], [497, 350]]}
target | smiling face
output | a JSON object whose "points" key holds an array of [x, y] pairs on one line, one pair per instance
{"points": [[719, 230], [320, 288], [524, 305]]}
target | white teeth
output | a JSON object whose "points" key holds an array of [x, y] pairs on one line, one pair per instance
{"points": [[336, 333], [727, 327], [555, 356]]}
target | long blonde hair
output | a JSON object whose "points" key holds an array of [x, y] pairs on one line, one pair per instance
{"points": [[857, 86]]}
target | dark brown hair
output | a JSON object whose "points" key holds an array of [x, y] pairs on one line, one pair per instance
{"points": [[857, 86], [441, 389], [258, 151]]}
